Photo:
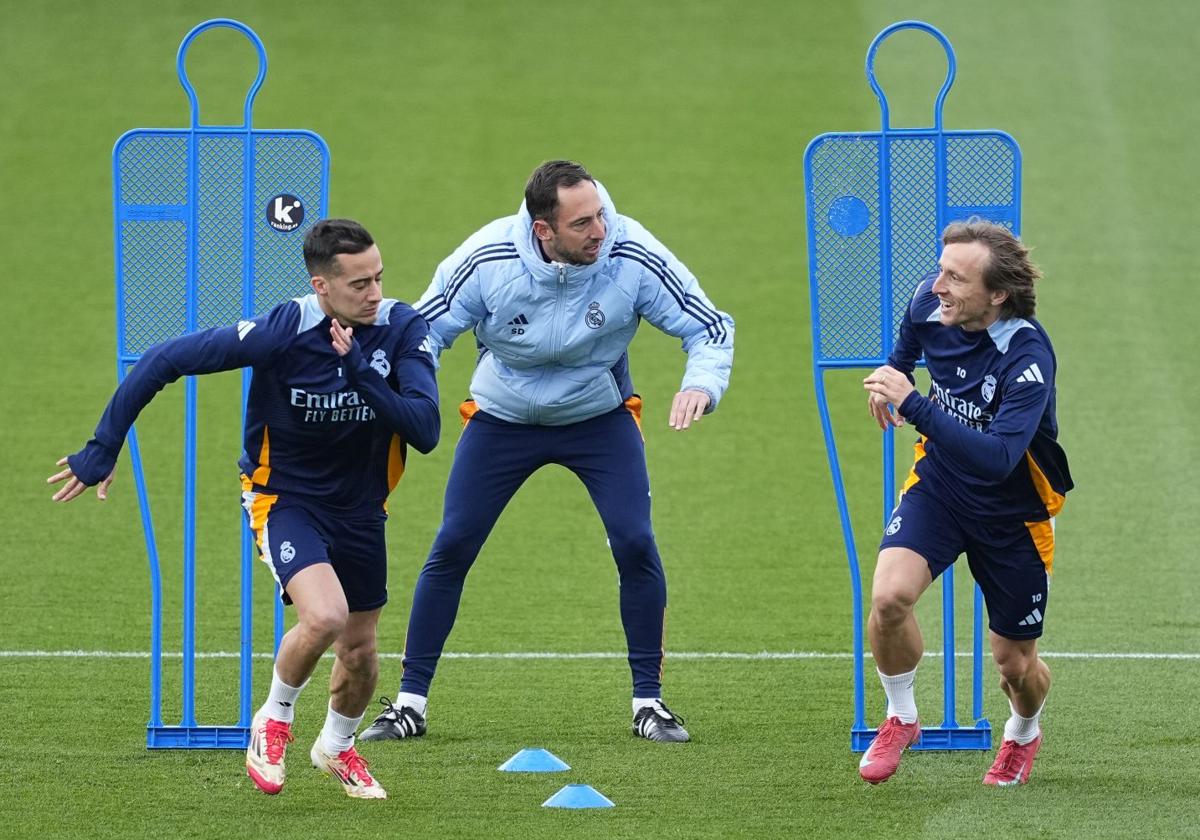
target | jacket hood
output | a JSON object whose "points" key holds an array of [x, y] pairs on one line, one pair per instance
{"points": [[531, 252]]}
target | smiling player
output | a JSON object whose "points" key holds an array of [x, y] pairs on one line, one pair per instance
{"points": [[988, 479]]}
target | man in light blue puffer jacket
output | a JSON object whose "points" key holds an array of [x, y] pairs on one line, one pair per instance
{"points": [[554, 295]]}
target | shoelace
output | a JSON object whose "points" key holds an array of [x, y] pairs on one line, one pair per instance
{"points": [[890, 733], [1007, 759], [396, 715], [670, 718], [279, 735], [388, 708], [674, 716], [356, 766]]}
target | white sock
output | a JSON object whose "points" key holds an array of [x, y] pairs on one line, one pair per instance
{"points": [[281, 701], [1022, 729], [338, 733], [640, 703], [416, 701], [899, 690]]}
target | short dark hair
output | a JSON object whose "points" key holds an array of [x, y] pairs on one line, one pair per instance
{"points": [[330, 237], [1008, 269], [541, 191]]}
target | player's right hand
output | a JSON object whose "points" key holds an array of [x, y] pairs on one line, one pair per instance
{"points": [[881, 411], [343, 337], [74, 486]]}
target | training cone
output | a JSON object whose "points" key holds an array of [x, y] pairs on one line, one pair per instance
{"points": [[578, 796], [534, 761]]}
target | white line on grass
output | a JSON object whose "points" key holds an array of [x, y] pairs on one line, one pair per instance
{"points": [[762, 655]]}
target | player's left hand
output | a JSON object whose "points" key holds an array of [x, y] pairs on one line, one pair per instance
{"points": [[890, 384], [74, 486], [343, 337], [687, 407]]}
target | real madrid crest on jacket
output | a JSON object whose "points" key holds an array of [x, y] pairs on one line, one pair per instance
{"points": [[531, 315]]}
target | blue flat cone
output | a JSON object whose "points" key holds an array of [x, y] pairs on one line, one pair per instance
{"points": [[578, 796], [534, 761]]}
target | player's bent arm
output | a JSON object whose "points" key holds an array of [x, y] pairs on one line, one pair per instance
{"points": [[412, 411], [670, 298], [991, 455]]}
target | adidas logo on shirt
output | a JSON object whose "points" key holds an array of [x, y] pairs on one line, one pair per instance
{"points": [[1034, 617], [518, 324], [1032, 374]]}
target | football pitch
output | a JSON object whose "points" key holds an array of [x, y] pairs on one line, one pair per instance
{"points": [[695, 116]]}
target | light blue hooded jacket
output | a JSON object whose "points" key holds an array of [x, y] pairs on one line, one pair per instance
{"points": [[553, 336]]}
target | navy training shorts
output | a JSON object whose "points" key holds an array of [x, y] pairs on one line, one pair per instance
{"points": [[1006, 558], [292, 535]]}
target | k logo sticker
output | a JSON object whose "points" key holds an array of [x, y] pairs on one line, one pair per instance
{"points": [[285, 213]]}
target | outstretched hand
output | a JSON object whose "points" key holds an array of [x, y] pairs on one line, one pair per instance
{"points": [[74, 486], [887, 386], [687, 407]]}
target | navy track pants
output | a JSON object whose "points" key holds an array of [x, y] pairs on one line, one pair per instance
{"points": [[492, 460]]}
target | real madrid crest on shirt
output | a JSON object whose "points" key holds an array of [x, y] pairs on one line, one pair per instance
{"points": [[594, 318], [989, 388], [380, 363]]}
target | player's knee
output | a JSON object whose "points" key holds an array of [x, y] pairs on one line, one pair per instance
{"points": [[1015, 666], [891, 606], [454, 550], [326, 621], [636, 549], [361, 659]]}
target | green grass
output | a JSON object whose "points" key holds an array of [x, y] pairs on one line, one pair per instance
{"points": [[695, 115], [778, 769]]}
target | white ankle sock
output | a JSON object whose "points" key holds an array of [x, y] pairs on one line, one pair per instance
{"points": [[1022, 729], [641, 702], [899, 690], [414, 700], [338, 733], [281, 701]]}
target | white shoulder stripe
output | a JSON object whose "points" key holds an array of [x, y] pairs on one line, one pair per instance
{"points": [[1002, 332], [385, 310], [310, 312]]}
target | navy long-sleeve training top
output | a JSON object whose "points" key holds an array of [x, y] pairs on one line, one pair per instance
{"points": [[989, 433], [318, 425]]}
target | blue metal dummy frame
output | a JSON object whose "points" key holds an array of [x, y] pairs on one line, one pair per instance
{"points": [[195, 248], [876, 204]]}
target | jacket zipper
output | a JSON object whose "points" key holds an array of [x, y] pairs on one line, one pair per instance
{"points": [[556, 333], [535, 414]]}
